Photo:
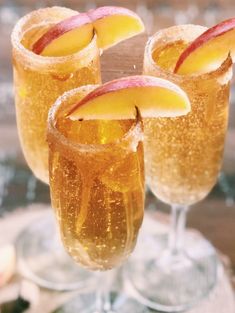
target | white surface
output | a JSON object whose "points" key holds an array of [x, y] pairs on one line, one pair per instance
{"points": [[221, 300]]}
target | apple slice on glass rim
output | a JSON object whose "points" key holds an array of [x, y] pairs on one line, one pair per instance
{"points": [[111, 25], [66, 37], [7, 263], [118, 99], [207, 52]]}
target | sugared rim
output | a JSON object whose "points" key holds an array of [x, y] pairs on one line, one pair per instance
{"points": [[128, 141], [35, 59], [151, 43]]}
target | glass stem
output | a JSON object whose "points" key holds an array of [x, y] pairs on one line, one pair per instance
{"points": [[103, 302], [177, 232]]}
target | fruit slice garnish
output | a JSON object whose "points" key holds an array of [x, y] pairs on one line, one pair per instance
{"points": [[119, 98], [114, 24], [111, 24], [7, 263], [66, 37], [209, 50]]}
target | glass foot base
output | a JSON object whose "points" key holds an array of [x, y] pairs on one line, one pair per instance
{"points": [[120, 303], [173, 283], [42, 258]]}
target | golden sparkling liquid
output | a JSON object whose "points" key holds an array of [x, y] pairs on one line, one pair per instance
{"points": [[184, 154], [35, 91], [99, 196]]}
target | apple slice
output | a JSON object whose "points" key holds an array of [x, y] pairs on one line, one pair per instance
{"points": [[111, 24], [114, 24], [209, 50], [67, 37], [117, 100], [7, 263]]}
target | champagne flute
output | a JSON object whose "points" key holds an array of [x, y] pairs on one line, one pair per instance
{"points": [[183, 160], [38, 81], [97, 190]]}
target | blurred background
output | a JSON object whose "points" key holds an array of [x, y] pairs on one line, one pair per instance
{"points": [[19, 189]]}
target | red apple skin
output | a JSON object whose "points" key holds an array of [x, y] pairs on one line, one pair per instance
{"points": [[59, 29], [101, 12], [209, 34], [124, 83], [77, 21]]}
